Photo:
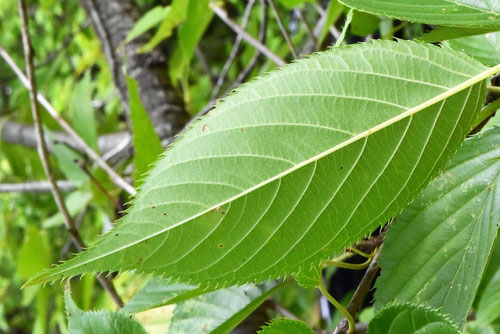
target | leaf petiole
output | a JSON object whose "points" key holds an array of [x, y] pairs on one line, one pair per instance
{"points": [[338, 306]]}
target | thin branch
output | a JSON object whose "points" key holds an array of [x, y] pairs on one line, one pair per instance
{"points": [[283, 29], [99, 186], [222, 14], [117, 179], [244, 74], [333, 31], [306, 25], [35, 187], [204, 64], [234, 51], [43, 152], [360, 294]]}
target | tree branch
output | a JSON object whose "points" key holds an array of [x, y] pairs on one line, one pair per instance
{"points": [[43, 152], [234, 51], [117, 179], [35, 187], [283, 29], [112, 21], [221, 13]]}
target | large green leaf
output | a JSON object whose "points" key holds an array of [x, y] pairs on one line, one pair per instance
{"points": [[218, 311], [484, 48], [100, 322], [286, 326], [295, 166], [438, 250], [462, 13], [410, 319]]}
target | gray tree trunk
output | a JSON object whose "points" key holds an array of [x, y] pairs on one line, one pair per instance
{"points": [[112, 21]]}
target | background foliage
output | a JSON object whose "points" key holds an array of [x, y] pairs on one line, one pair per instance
{"points": [[166, 62]]}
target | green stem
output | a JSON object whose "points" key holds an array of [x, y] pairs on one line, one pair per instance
{"points": [[353, 266], [344, 29], [338, 306], [363, 254], [493, 89]]}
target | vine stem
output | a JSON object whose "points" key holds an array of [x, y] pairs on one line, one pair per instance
{"points": [[43, 151], [338, 306], [494, 89], [360, 293]]}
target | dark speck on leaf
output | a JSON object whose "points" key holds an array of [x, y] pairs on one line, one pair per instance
{"points": [[221, 245], [341, 167], [164, 213], [242, 130], [116, 234], [153, 207]]}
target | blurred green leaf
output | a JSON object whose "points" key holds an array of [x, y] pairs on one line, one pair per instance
{"points": [[175, 14], [35, 253], [147, 145], [290, 4], [83, 113], [286, 326], [152, 18], [364, 24], [67, 160], [75, 202], [333, 12], [198, 16]]}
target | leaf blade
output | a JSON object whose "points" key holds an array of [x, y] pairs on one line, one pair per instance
{"points": [[460, 13], [290, 176], [436, 253]]}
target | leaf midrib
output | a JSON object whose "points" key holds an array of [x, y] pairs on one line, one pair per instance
{"points": [[443, 96]]}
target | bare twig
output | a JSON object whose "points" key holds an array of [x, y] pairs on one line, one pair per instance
{"points": [[117, 179], [222, 14], [43, 152], [204, 64], [359, 295], [34, 187], [243, 76], [306, 25], [246, 71], [234, 51], [333, 31], [99, 186], [283, 29]]}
